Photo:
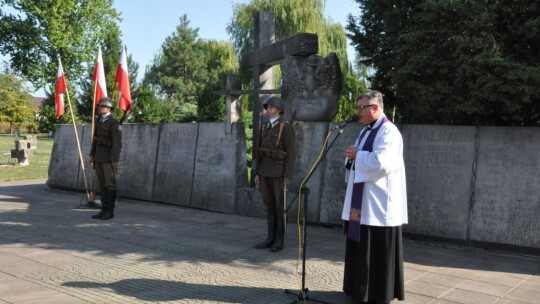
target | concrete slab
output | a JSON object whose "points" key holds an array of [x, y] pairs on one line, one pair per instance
{"points": [[174, 163], [507, 195], [64, 164], [135, 177], [214, 179], [439, 162]]}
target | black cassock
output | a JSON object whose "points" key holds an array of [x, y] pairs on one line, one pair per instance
{"points": [[374, 266]]}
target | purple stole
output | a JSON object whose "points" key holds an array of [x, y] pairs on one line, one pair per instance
{"points": [[353, 232]]}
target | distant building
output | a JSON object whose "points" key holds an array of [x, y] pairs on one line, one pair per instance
{"points": [[37, 102]]}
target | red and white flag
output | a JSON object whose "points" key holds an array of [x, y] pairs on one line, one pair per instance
{"points": [[99, 79], [61, 89], [123, 82]]}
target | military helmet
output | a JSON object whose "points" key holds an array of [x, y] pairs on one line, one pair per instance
{"points": [[276, 102], [105, 101]]}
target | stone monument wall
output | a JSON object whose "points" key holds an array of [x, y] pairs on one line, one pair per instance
{"points": [[471, 184]]}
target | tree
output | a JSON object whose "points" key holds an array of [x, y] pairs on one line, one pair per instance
{"points": [[178, 71], [220, 60], [38, 31], [149, 109], [352, 88], [450, 62], [15, 102], [186, 72]]}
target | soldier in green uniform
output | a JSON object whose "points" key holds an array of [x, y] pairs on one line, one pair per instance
{"points": [[274, 168], [104, 156]]}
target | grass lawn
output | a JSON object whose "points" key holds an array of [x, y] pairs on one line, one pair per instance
{"points": [[39, 161]]}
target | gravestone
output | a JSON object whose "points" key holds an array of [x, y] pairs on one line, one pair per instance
{"points": [[32, 141], [22, 152]]}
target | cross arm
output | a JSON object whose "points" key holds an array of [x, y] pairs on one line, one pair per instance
{"points": [[303, 44]]}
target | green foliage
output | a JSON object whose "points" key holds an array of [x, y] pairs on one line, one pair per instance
{"points": [[352, 88], [184, 75], [177, 72], [38, 31], [47, 118], [15, 101], [451, 62], [220, 60], [149, 108]]}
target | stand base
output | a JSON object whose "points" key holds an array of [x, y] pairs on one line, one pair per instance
{"points": [[304, 297]]}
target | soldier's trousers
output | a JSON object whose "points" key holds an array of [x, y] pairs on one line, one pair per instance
{"points": [[272, 193], [105, 175]]}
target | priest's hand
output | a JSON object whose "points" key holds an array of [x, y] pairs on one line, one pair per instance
{"points": [[350, 152]]}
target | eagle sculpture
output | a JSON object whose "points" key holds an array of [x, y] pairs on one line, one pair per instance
{"points": [[311, 87]]}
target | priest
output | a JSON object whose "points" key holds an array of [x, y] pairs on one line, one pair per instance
{"points": [[375, 207]]}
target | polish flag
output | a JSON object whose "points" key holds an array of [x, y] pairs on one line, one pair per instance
{"points": [[123, 82], [61, 89], [99, 79]]}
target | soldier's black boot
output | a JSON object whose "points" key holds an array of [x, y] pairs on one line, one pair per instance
{"points": [[111, 199], [280, 233], [103, 195], [271, 221]]}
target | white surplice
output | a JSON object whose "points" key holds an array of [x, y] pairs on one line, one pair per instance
{"points": [[384, 201]]}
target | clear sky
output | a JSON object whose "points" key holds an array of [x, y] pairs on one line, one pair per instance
{"points": [[146, 23]]}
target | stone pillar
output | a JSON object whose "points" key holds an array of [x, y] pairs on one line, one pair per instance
{"points": [[263, 75], [233, 106]]}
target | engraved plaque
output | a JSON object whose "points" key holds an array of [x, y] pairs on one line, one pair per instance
{"points": [[438, 164], [214, 183]]}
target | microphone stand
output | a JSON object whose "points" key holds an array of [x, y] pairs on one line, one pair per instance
{"points": [[303, 293]]}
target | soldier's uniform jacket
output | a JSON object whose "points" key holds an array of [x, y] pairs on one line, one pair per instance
{"points": [[107, 141], [271, 166]]}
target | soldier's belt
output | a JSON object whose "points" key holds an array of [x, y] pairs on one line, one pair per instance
{"points": [[272, 153], [102, 142]]}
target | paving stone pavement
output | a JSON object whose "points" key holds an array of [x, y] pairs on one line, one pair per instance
{"points": [[52, 252]]}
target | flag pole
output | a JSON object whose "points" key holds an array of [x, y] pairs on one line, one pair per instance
{"points": [[93, 111], [91, 194], [78, 142]]}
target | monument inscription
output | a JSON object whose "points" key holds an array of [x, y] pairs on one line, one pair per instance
{"points": [[439, 162]]}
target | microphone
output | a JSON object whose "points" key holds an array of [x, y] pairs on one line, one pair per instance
{"points": [[348, 121]]}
